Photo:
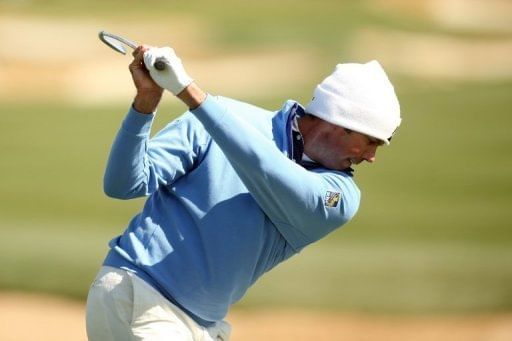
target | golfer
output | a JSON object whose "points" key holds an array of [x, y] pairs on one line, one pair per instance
{"points": [[232, 190]]}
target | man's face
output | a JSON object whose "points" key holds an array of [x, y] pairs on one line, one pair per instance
{"points": [[338, 148]]}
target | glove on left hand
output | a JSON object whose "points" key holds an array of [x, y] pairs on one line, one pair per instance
{"points": [[174, 77]]}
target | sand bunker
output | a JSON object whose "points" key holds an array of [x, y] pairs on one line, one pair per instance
{"points": [[45, 318], [35, 66]]}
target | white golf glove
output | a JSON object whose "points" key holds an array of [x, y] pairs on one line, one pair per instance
{"points": [[174, 77]]}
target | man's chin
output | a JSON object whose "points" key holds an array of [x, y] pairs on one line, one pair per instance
{"points": [[339, 166], [347, 164], [343, 166]]}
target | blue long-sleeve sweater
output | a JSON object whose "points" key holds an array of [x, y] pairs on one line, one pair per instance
{"points": [[226, 203]]}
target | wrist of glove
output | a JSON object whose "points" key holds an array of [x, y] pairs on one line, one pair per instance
{"points": [[173, 77]]}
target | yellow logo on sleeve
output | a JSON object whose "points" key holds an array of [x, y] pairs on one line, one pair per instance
{"points": [[332, 199]]}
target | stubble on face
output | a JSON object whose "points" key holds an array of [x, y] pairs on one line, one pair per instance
{"points": [[326, 144], [335, 147]]}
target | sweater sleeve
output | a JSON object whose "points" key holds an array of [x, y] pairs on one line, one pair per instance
{"points": [[304, 205], [138, 166]]}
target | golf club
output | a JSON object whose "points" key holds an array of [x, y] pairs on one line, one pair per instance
{"points": [[118, 44]]}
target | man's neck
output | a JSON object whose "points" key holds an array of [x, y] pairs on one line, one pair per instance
{"points": [[306, 124]]}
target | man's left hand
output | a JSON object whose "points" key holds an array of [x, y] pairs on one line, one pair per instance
{"points": [[174, 77]]}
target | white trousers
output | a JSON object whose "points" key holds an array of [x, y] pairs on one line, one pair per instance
{"points": [[122, 306]]}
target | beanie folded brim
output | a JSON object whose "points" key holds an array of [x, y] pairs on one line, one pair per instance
{"points": [[358, 97], [353, 116]]}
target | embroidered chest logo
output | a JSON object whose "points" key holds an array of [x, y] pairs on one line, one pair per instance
{"points": [[332, 199]]}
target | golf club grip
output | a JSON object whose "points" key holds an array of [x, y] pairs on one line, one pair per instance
{"points": [[159, 65]]}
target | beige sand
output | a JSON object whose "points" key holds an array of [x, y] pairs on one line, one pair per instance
{"points": [[42, 318], [36, 67]]}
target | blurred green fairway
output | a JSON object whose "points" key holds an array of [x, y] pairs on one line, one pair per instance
{"points": [[433, 234]]}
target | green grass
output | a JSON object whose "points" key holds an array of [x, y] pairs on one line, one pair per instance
{"points": [[393, 277], [446, 174], [432, 234], [54, 257]]}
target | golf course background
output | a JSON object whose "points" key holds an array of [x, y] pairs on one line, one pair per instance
{"points": [[433, 234]]}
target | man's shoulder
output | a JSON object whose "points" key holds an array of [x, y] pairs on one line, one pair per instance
{"points": [[260, 118], [248, 108], [241, 107]]}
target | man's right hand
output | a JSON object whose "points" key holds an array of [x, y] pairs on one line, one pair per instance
{"points": [[149, 93]]}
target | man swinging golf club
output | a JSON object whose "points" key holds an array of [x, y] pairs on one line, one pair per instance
{"points": [[232, 190]]}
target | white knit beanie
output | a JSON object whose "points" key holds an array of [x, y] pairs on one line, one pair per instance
{"points": [[358, 97]]}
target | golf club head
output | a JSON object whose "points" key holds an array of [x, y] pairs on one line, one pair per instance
{"points": [[118, 43], [115, 42]]}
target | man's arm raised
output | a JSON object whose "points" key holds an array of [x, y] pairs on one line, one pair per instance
{"points": [[294, 198]]}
